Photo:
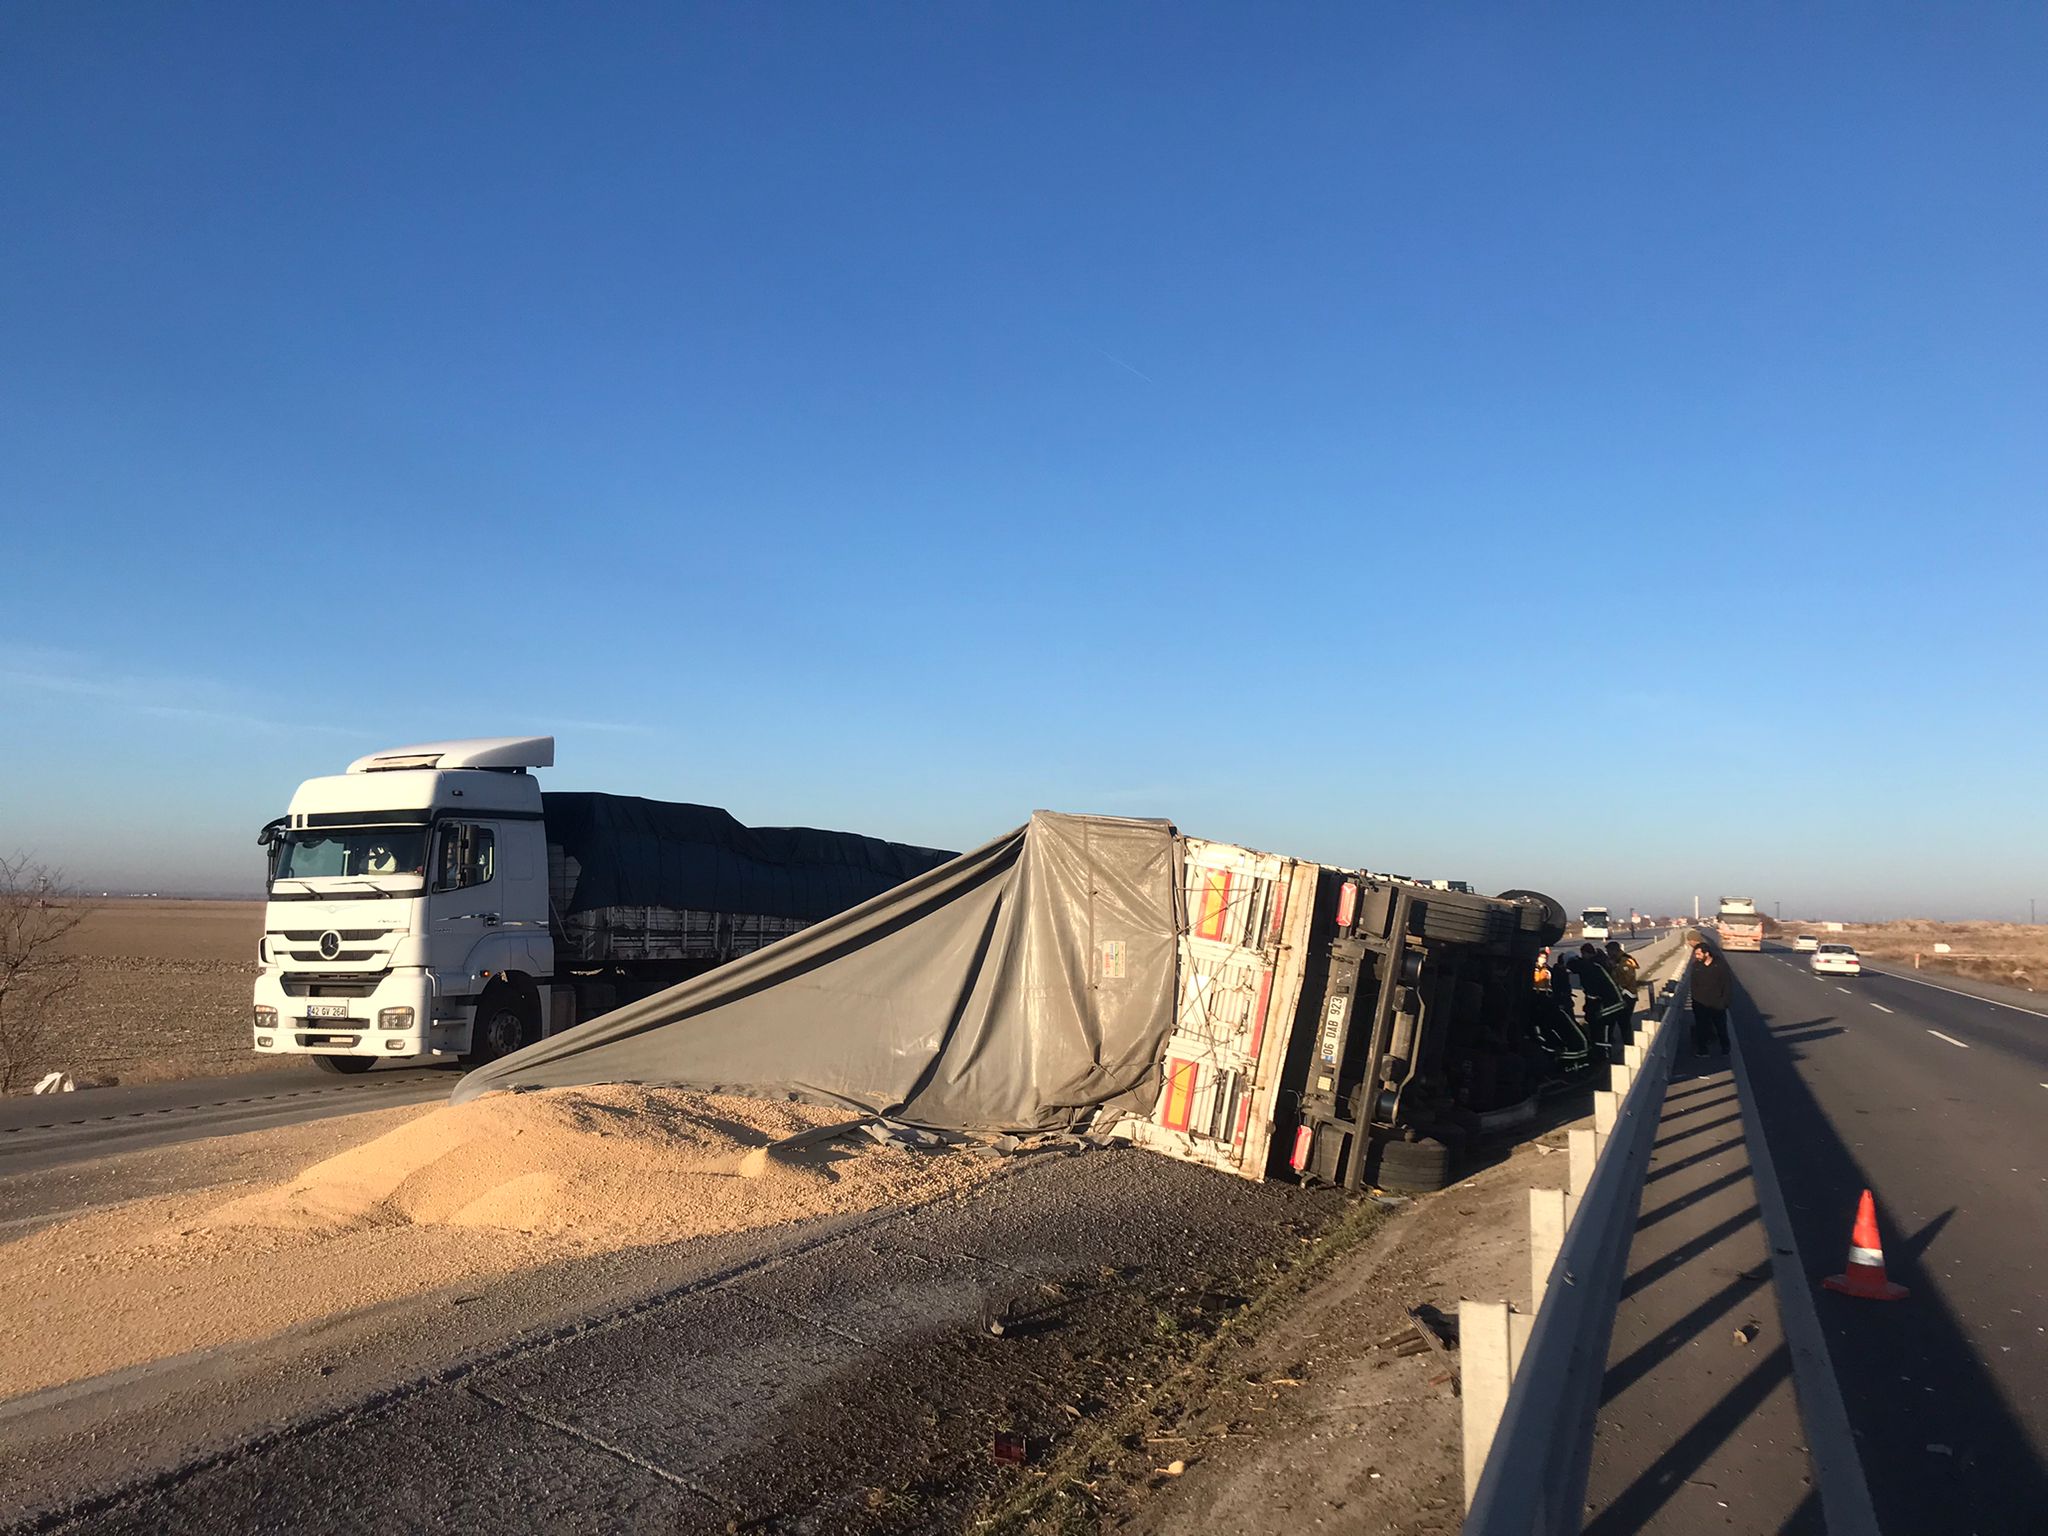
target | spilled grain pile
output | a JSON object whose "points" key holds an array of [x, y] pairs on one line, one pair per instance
{"points": [[448, 1196], [602, 1167]]}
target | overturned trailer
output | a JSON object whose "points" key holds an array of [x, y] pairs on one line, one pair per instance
{"points": [[1433, 1032], [1257, 1013], [1353, 1028]]}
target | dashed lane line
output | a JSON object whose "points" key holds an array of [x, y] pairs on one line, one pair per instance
{"points": [[1951, 1039], [1880, 1007], [1955, 992]]}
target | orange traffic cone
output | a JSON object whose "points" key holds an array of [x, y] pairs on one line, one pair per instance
{"points": [[1865, 1275]]}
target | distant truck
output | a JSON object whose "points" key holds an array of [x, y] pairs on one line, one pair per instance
{"points": [[432, 903], [1595, 924], [1739, 923]]}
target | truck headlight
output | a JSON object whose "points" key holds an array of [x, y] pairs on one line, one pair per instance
{"points": [[266, 1018], [394, 1018]]}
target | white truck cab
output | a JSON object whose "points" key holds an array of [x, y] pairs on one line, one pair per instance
{"points": [[408, 908]]}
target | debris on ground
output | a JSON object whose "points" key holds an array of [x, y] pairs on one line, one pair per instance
{"points": [[893, 1133], [1434, 1327]]}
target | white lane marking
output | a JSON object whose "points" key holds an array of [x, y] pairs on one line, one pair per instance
{"points": [[1841, 989], [1951, 1039], [1880, 1007], [1973, 997], [1845, 1505]]}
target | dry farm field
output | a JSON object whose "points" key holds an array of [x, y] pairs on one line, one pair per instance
{"points": [[2011, 954], [164, 992]]}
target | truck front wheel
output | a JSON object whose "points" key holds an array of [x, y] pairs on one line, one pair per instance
{"points": [[506, 1019], [344, 1066]]}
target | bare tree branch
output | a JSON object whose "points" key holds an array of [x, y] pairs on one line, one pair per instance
{"points": [[38, 912]]}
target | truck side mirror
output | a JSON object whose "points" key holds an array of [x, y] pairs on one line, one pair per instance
{"points": [[271, 841]]}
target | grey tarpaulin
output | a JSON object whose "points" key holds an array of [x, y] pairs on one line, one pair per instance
{"points": [[1022, 986]]}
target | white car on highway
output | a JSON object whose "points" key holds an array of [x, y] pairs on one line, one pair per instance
{"points": [[1836, 960], [1806, 942]]}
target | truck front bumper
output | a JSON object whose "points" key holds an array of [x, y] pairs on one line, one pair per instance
{"points": [[393, 1021]]}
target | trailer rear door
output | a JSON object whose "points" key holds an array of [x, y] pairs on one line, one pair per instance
{"points": [[1243, 950]]}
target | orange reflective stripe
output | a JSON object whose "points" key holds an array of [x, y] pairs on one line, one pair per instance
{"points": [[1215, 901], [1178, 1103]]}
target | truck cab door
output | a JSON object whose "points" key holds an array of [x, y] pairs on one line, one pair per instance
{"points": [[464, 893]]}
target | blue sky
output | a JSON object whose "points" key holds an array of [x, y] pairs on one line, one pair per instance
{"points": [[1598, 448]]}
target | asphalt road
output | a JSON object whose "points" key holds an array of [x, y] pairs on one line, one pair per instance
{"points": [[1938, 1103], [45, 1131]]}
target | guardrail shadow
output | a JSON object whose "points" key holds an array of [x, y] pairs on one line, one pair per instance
{"points": [[1637, 1505], [1651, 1215], [1687, 1132], [1689, 1293], [1993, 1478]]}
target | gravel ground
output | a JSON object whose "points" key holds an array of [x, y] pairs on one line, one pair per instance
{"points": [[844, 1384], [446, 1197], [1291, 1418]]}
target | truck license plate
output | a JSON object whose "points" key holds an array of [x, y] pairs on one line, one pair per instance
{"points": [[327, 1010]]}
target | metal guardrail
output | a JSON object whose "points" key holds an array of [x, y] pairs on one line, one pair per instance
{"points": [[1534, 1481]]}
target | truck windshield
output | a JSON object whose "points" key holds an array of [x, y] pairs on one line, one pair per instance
{"points": [[326, 853]]}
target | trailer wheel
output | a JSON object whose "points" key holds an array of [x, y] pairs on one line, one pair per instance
{"points": [[1544, 916], [506, 1019], [344, 1066], [1412, 1167]]}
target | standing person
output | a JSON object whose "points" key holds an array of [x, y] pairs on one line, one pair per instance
{"points": [[1603, 1001], [1713, 989], [1628, 977]]}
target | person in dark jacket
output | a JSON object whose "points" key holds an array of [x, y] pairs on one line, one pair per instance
{"points": [[1628, 977], [1713, 989], [1604, 1004]]}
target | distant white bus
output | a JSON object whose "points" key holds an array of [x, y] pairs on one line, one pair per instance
{"points": [[1594, 923]]}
